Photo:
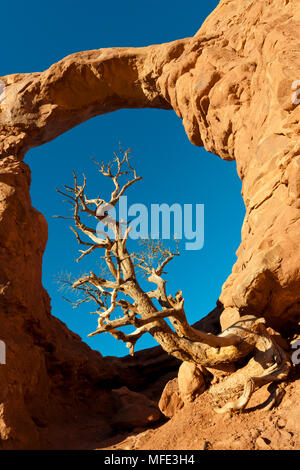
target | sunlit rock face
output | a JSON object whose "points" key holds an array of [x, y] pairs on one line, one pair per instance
{"points": [[234, 85], [234, 88]]}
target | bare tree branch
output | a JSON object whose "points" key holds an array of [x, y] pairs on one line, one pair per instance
{"points": [[183, 341]]}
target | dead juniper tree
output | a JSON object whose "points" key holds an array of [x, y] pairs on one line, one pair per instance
{"points": [[147, 311]]}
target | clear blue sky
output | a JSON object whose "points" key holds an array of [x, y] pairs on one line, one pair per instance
{"points": [[36, 34]]}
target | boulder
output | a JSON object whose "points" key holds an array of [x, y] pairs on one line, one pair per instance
{"points": [[191, 382], [133, 410], [170, 400]]}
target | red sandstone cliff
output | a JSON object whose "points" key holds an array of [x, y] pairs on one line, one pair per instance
{"points": [[231, 84]]}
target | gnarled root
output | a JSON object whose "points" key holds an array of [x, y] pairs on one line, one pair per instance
{"points": [[278, 371], [275, 397]]}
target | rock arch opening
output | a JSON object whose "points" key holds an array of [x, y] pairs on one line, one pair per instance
{"points": [[232, 88], [173, 172]]}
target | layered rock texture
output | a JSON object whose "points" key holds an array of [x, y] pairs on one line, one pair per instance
{"points": [[234, 85]]}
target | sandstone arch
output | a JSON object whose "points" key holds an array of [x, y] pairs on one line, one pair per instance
{"points": [[232, 86]]}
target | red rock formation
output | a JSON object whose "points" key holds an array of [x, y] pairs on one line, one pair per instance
{"points": [[197, 427], [232, 86], [170, 401]]}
